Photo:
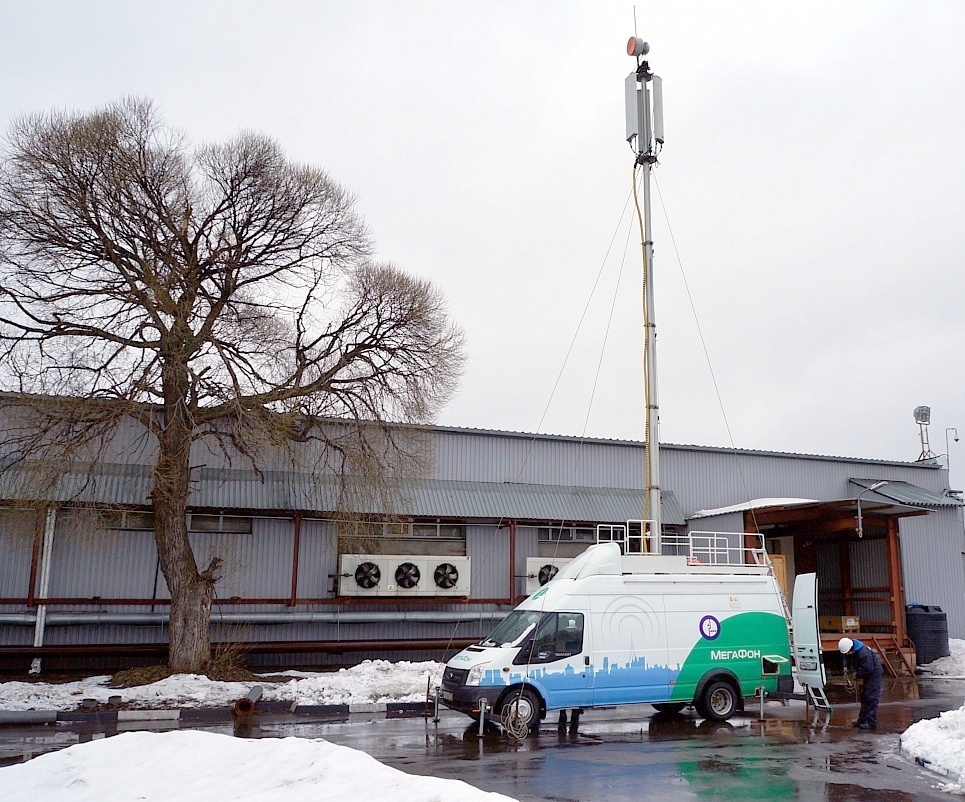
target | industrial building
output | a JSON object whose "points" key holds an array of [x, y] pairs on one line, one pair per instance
{"points": [[493, 515]]}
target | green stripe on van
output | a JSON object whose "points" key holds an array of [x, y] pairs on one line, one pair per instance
{"points": [[743, 640]]}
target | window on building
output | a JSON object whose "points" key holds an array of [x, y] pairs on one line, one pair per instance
{"points": [[405, 537], [131, 520], [567, 534], [231, 524]]}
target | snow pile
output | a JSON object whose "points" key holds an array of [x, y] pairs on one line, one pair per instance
{"points": [[190, 765], [939, 743], [951, 666], [369, 681], [372, 681]]}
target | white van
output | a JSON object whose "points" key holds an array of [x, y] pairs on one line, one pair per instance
{"points": [[707, 626]]}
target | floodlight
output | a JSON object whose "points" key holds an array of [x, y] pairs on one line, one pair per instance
{"points": [[923, 415]]}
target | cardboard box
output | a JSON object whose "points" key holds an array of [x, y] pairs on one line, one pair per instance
{"points": [[839, 623]]}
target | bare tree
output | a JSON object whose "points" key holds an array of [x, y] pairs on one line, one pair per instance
{"points": [[219, 293]]}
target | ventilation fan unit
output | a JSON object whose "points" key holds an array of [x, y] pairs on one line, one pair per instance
{"points": [[403, 575], [540, 570]]}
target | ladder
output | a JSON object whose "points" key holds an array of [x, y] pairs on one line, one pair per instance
{"points": [[761, 558], [817, 697]]}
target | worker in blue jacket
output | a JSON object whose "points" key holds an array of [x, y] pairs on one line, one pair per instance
{"points": [[867, 667]]}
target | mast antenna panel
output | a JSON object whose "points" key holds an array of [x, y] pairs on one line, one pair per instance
{"points": [[632, 103], [657, 82]]}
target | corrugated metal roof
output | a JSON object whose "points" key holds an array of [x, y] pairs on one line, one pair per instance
{"points": [[907, 493], [289, 491]]}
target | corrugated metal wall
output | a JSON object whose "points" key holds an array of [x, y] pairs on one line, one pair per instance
{"points": [[869, 577], [17, 529], [489, 551], [89, 561], [318, 559], [933, 564], [485, 457], [829, 578], [256, 565]]}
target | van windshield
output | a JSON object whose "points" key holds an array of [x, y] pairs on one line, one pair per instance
{"points": [[513, 627]]}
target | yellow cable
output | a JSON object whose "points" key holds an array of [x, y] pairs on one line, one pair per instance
{"points": [[647, 445]]}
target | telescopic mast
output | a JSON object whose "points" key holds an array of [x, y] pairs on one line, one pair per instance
{"points": [[644, 108]]}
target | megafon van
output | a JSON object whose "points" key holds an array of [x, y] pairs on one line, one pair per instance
{"points": [[707, 627]]}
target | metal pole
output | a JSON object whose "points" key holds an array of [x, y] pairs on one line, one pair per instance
{"points": [[50, 521], [875, 486], [653, 411], [483, 704], [948, 452]]}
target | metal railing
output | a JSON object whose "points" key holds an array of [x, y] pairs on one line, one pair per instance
{"points": [[700, 548]]}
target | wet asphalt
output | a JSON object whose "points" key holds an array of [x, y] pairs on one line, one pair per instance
{"points": [[629, 753]]}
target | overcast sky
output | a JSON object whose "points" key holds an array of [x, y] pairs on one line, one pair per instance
{"points": [[812, 177]]}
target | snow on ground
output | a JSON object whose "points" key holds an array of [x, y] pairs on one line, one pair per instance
{"points": [[207, 766], [940, 742], [372, 681], [952, 666], [190, 765]]}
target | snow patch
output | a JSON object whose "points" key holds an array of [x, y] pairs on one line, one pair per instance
{"points": [[756, 503], [194, 766]]}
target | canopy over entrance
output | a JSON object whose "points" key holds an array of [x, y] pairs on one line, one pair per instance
{"points": [[857, 557]]}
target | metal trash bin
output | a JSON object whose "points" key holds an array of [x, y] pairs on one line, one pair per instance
{"points": [[928, 628]]}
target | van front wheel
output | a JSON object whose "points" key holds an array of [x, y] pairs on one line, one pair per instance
{"points": [[520, 711], [718, 702]]}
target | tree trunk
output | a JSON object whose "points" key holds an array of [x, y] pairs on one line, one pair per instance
{"points": [[190, 643], [191, 590]]}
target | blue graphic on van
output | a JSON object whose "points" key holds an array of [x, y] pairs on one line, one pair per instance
{"points": [[612, 683]]}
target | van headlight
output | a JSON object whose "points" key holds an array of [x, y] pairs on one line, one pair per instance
{"points": [[475, 674]]}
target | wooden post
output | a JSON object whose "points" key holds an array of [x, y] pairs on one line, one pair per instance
{"points": [[895, 583]]}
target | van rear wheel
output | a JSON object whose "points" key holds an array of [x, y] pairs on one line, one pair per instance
{"points": [[718, 702]]}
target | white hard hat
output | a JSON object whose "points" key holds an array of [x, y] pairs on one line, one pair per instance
{"points": [[844, 645]]}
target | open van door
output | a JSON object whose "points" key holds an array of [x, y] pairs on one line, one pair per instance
{"points": [[807, 639]]}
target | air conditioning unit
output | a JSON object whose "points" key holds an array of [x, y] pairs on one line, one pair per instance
{"points": [[540, 570], [403, 575]]}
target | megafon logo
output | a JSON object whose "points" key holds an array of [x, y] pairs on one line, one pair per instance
{"points": [[735, 654], [538, 593]]}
